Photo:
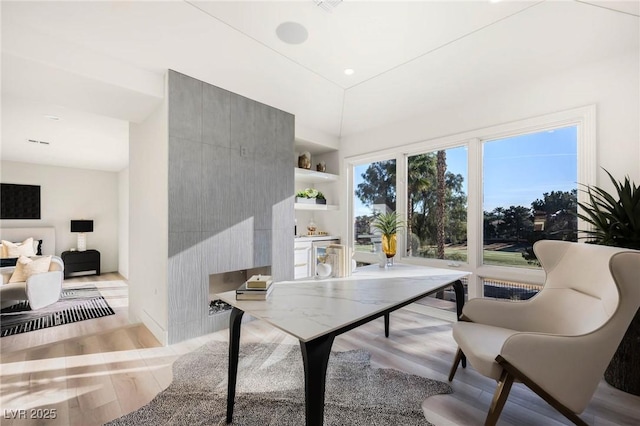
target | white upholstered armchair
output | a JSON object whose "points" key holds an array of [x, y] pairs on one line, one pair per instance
{"points": [[559, 342], [40, 289]]}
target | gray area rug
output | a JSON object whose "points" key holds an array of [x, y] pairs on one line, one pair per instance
{"points": [[75, 304], [270, 390]]}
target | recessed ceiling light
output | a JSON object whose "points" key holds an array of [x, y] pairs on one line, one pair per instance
{"points": [[52, 117], [495, 1], [292, 32], [38, 142], [349, 71]]}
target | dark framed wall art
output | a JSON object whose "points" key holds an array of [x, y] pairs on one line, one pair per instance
{"points": [[19, 201]]}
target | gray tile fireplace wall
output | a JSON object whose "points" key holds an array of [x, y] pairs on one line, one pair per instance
{"points": [[230, 202]]}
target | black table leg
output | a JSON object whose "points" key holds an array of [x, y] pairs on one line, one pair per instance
{"points": [[234, 348], [315, 357], [386, 324], [459, 290]]}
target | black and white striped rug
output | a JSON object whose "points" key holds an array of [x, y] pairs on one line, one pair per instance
{"points": [[75, 304]]}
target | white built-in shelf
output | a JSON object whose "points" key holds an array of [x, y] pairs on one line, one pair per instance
{"points": [[312, 176], [304, 206]]}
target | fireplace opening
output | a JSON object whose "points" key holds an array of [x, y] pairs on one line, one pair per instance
{"points": [[228, 281], [217, 306]]}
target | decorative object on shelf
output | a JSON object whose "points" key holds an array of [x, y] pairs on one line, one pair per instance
{"points": [[311, 227], [82, 226], [389, 224], [304, 160], [310, 196], [321, 166], [311, 200], [615, 221]]}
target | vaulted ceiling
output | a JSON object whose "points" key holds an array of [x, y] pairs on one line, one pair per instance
{"points": [[99, 65]]}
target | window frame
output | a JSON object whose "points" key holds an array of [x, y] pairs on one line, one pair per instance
{"points": [[352, 163], [584, 118], [451, 144]]}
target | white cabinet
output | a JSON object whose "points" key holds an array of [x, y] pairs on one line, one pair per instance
{"points": [[302, 259]]}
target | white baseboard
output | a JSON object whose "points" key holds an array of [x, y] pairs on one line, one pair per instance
{"points": [[156, 329]]}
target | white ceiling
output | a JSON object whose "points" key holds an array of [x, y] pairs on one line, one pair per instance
{"points": [[108, 59], [100, 141]]}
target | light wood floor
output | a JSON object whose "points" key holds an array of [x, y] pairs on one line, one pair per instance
{"points": [[97, 370]]}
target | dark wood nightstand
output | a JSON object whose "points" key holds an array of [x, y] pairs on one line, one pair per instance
{"points": [[76, 262]]}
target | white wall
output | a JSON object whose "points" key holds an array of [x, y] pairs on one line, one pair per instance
{"points": [[148, 222], [613, 86], [69, 193], [123, 222]]}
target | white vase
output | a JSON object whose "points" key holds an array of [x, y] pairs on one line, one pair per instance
{"points": [[323, 270]]}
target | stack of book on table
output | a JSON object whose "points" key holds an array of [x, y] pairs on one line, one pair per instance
{"points": [[258, 287], [340, 260]]}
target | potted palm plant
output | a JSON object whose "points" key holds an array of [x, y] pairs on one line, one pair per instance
{"points": [[389, 224], [615, 221]]}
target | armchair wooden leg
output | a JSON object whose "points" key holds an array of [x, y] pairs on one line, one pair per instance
{"points": [[516, 373], [499, 398], [456, 362]]}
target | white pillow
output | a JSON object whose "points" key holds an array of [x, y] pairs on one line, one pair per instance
{"points": [[25, 248], [25, 267], [36, 249]]}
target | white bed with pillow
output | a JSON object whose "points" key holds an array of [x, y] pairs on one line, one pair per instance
{"points": [[36, 274], [45, 235]]}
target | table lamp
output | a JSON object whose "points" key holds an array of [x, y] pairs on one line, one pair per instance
{"points": [[82, 226]]}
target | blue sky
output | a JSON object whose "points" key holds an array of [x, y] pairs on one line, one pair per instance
{"points": [[517, 170], [520, 170]]}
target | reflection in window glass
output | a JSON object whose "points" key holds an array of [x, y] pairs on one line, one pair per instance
{"points": [[374, 192], [530, 193], [502, 289], [437, 204]]}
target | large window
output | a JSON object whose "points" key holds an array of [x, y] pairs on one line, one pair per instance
{"points": [[530, 194], [437, 204], [479, 200]]}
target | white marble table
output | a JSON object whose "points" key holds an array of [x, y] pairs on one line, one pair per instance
{"points": [[315, 311]]}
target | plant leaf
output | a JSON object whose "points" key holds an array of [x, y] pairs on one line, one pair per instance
{"points": [[614, 221]]}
